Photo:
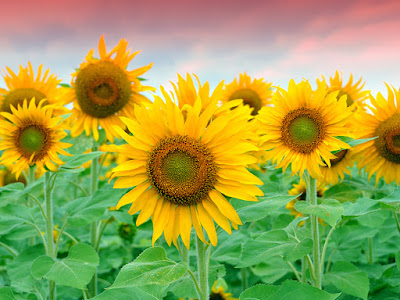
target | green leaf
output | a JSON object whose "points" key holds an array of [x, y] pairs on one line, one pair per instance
{"points": [[18, 269], [83, 211], [393, 199], [300, 250], [295, 290], [361, 207], [266, 245], [78, 160], [150, 292], [6, 293], [354, 142], [258, 210], [271, 270], [347, 278], [259, 291], [64, 85], [151, 267], [229, 250], [330, 210], [76, 270], [397, 258]]}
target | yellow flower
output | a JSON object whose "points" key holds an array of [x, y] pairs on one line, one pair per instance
{"points": [[103, 90], [344, 160], [381, 155], [256, 93], [355, 95], [300, 188], [26, 85], [6, 177], [218, 292], [186, 93], [301, 129], [31, 136], [183, 167]]}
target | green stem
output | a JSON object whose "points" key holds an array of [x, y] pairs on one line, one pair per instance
{"points": [[101, 234], [370, 250], [202, 265], [29, 180], [49, 229], [296, 273], [79, 187], [303, 270], [325, 248], [397, 220], [244, 278], [39, 204], [93, 227], [312, 193], [11, 250]]}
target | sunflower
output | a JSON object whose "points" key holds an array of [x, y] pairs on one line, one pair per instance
{"points": [[6, 177], [344, 160], [218, 293], [381, 155], [356, 96], [301, 129], [300, 188], [26, 85], [186, 93], [256, 93], [31, 136], [103, 90], [182, 169]]}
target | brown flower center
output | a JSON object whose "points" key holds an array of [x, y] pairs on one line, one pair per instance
{"points": [[102, 89], [17, 97], [182, 170], [388, 141]]}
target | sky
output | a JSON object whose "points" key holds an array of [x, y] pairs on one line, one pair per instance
{"points": [[215, 39]]}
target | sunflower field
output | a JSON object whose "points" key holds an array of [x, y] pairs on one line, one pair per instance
{"points": [[111, 189]]}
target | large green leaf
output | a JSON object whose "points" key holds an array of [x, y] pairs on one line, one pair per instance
{"points": [[149, 292], [85, 210], [295, 290], [347, 278], [229, 250], [259, 292], [361, 207], [270, 244], [6, 293], [330, 210], [271, 270], [151, 267], [76, 270], [393, 199], [249, 212]]}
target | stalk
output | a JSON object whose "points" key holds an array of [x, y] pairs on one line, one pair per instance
{"points": [[94, 182], [29, 181], [312, 193], [49, 228], [202, 264]]}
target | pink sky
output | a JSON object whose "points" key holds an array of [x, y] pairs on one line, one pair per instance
{"points": [[218, 39]]}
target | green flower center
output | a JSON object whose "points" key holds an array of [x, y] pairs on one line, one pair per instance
{"points": [[102, 89], [31, 140], [182, 170], [388, 141], [250, 98], [303, 130], [17, 97], [349, 100]]}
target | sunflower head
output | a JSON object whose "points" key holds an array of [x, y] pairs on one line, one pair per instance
{"points": [[103, 90], [27, 85], [355, 95], [381, 155], [301, 129], [255, 94], [218, 291], [31, 136], [182, 170]]}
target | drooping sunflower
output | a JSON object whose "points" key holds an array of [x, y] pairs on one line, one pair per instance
{"points": [[6, 177], [301, 129], [381, 155], [31, 136], [26, 85], [183, 169], [341, 165], [300, 188], [256, 93], [218, 293], [103, 90], [356, 96]]}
